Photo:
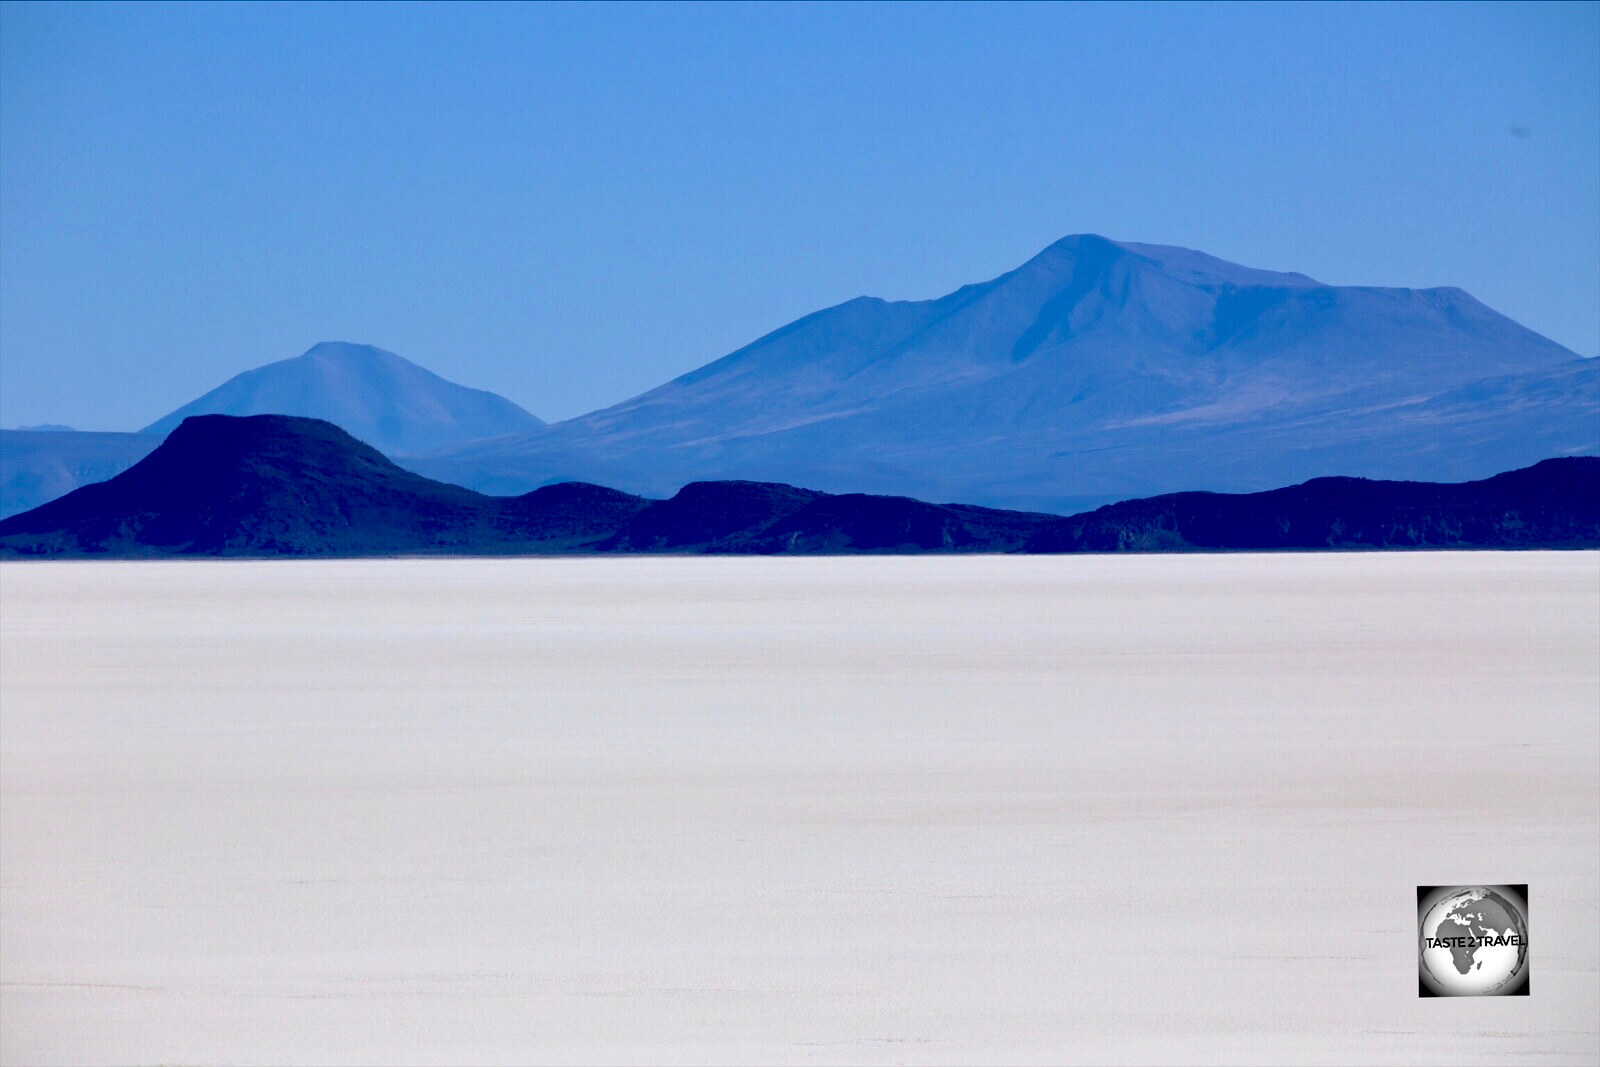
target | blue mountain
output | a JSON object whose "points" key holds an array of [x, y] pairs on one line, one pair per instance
{"points": [[1097, 371], [389, 402], [386, 401]]}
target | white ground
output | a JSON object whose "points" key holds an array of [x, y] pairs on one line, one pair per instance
{"points": [[913, 810]]}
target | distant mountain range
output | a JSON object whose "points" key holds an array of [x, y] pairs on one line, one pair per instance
{"points": [[1097, 371], [386, 401], [270, 485]]}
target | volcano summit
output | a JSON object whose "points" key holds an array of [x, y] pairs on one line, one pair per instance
{"points": [[1097, 371]]}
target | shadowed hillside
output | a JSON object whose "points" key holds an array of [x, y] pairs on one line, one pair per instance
{"points": [[270, 485], [1553, 504], [389, 402]]}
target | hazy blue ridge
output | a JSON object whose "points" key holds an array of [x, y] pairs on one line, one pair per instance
{"points": [[1096, 371], [388, 402], [276, 486]]}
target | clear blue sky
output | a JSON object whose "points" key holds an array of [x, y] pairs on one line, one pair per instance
{"points": [[570, 204]]}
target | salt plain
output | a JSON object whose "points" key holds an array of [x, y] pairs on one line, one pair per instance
{"points": [[918, 810]]}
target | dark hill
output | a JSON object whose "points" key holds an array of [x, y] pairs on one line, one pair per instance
{"points": [[270, 485], [856, 522], [710, 513], [769, 518], [1555, 503], [378, 397], [276, 485]]}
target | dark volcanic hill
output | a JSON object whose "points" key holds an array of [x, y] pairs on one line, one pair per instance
{"points": [[389, 402], [1553, 504], [768, 518], [270, 485], [275, 485]]}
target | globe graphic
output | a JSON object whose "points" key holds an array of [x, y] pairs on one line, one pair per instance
{"points": [[1488, 946]]}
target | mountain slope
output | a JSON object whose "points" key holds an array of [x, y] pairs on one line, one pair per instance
{"points": [[1097, 371], [39, 465], [389, 402], [268, 485], [271, 485]]}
